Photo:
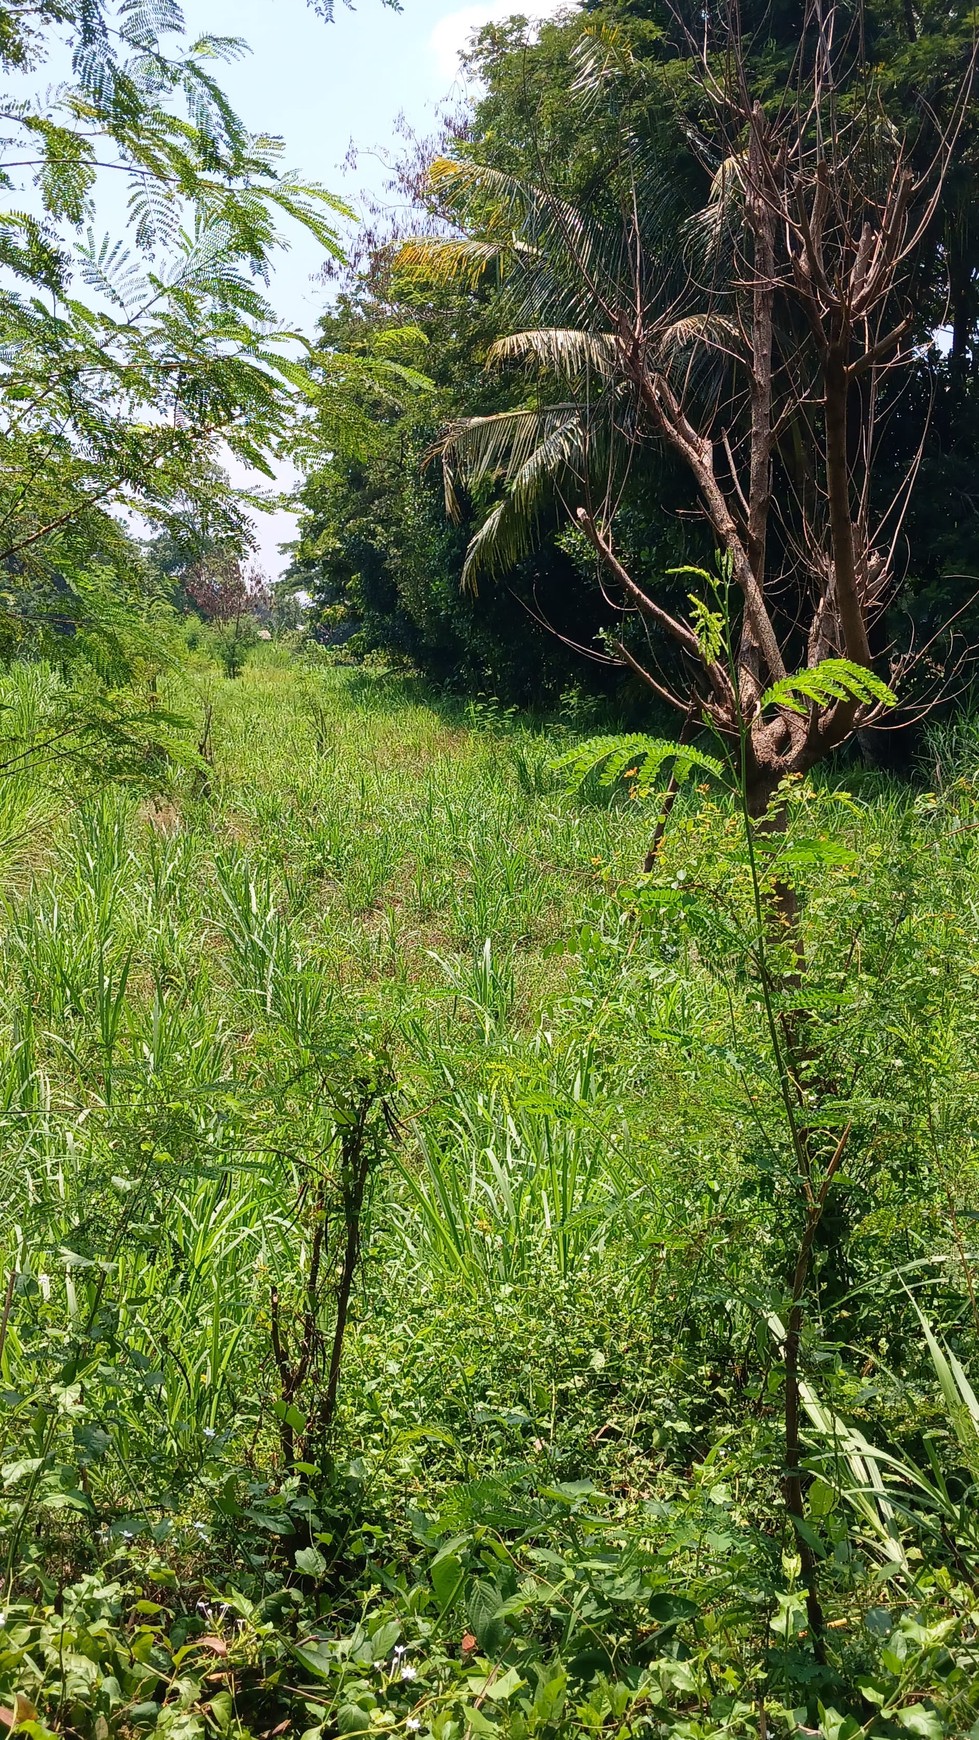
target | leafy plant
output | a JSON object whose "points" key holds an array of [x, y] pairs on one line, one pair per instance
{"points": [[609, 756]]}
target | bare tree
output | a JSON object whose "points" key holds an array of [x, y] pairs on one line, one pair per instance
{"points": [[764, 341], [764, 347]]}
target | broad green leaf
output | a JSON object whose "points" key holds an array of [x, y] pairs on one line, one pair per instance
{"points": [[384, 1639], [315, 1657], [446, 1574], [498, 1688], [310, 1561], [290, 1415], [351, 1719]]}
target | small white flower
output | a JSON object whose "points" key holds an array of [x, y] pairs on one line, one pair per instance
{"points": [[399, 1650], [127, 1534], [408, 1672], [209, 1432], [3, 1619], [413, 1724]]}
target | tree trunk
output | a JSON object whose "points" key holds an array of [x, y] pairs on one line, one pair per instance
{"points": [[836, 388], [780, 898]]}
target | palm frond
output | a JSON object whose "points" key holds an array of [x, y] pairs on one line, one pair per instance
{"points": [[441, 260], [453, 178], [707, 228], [509, 532], [530, 221], [563, 350], [602, 56], [499, 445], [706, 329], [506, 535]]}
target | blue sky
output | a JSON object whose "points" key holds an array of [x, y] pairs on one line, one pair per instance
{"points": [[324, 87]]}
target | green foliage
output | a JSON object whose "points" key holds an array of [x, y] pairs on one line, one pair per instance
{"points": [[648, 755], [376, 548], [131, 366], [830, 680], [601, 121], [376, 551], [404, 1201], [549, 1501], [708, 626]]}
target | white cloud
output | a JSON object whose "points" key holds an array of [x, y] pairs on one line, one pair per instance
{"points": [[451, 35]]}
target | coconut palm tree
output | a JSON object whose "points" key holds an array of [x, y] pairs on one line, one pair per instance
{"points": [[763, 340]]}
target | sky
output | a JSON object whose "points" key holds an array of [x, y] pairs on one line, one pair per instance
{"points": [[340, 95], [324, 87]]}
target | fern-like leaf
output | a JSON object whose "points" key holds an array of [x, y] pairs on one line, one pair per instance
{"points": [[831, 680], [643, 758], [708, 626], [500, 1500], [111, 270]]}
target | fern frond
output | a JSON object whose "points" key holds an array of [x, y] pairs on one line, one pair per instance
{"points": [[112, 271], [399, 342], [831, 680], [500, 1500], [708, 626], [145, 20], [155, 213], [643, 757]]}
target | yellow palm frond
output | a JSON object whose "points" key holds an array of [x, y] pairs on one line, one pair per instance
{"points": [[440, 260], [707, 329]]}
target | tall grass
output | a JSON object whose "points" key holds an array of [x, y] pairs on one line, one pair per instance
{"points": [[578, 1244], [174, 977]]}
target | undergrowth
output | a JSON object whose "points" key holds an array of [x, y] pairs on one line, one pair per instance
{"points": [[547, 1501]]}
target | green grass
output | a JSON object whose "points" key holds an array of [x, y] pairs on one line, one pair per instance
{"points": [[560, 1402]]}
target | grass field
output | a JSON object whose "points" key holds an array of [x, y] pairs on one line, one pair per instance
{"points": [[373, 984]]}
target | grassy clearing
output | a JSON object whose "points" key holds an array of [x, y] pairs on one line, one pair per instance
{"points": [[553, 1479]]}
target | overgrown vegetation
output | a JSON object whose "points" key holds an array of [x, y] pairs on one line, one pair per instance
{"points": [[490, 1206], [548, 1498], [609, 259]]}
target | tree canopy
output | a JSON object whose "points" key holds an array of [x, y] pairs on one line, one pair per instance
{"points": [[133, 366], [536, 124]]}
